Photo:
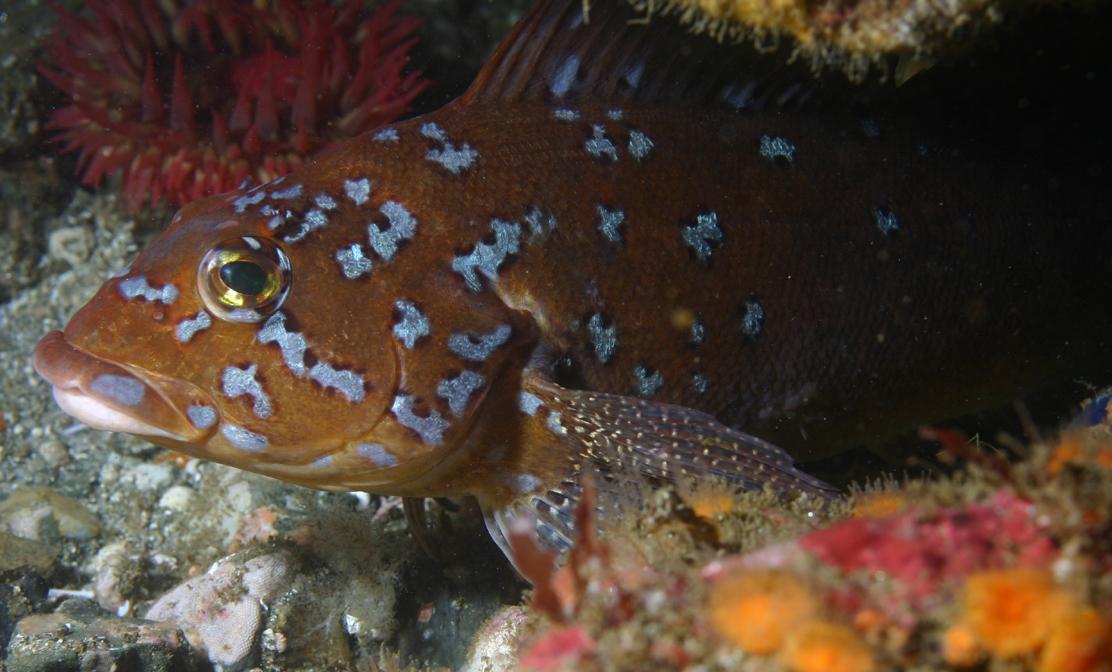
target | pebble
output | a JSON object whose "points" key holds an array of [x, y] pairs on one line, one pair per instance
{"points": [[67, 642], [221, 611], [19, 554], [41, 514], [495, 646], [178, 498], [54, 453]]}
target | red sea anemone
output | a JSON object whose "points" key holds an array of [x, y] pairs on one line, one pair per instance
{"points": [[190, 100]]}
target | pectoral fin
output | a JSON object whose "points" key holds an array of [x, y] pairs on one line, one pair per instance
{"points": [[615, 436]]}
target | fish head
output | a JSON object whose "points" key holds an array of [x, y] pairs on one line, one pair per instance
{"points": [[245, 336]]}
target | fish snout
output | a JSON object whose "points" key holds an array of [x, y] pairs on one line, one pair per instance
{"points": [[111, 397]]}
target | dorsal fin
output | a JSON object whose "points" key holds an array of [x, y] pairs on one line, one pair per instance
{"points": [[563, 53]]}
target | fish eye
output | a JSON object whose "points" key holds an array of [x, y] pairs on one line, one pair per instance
{"points": [[244, 279]]}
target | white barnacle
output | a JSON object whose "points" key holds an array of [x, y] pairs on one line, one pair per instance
{"points": [[453, 159], [292, 344], [242, 202], [457, 391], [239, 381], [599, 145], [563, 78], [188, 328], [528, 403], [202, 417], [751, 322], [647, 383], [377, 454], [774, 147], [477, 349], [403, 226], [348, 383], [639, 144], [292, 191], [133, 288], [699, 235], [353, 262], [412, 325], [886, 222], [604, 339], [430, 429], [609, 221], [486, 258], [566, 115], [388, 134], [358, 190], [243, 439], [699, 383], [123, 390]]}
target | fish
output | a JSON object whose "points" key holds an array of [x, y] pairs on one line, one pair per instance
{"points": [[625, 251]]}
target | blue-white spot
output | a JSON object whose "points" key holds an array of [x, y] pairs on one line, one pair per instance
{"points": [[353, 262], [412, 325], [487, 258], [886, 222], [403, 226], [564, 76], [376, 454], [386, 135], [239, 381], [609, 223], [123, 390], [454, 160], [243, 439], [640, 145], [292, 191], [188, 328], [604, 339], [599, 145], [566, 115], [751, 322], [292, 344], [202, 417], [430, 429], [775, 147], [700, 235], [133, 288], [699, 383], [345, 382], [647, 383], [358, 190], [242, 202], [528, 403], [457, 391], [477, 349]]}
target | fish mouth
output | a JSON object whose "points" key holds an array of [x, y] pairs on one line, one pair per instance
{"points": [[113, 397]]}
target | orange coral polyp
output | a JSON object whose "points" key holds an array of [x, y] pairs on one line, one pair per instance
{"points": [[818, 646], [1081, 642], [1012, 612], [757, 609]]}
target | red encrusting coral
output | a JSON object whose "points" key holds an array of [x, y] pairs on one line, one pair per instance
{"points": [[192, 100]]}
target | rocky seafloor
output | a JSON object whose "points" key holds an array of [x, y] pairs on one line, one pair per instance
{"points": [[115, 554]]}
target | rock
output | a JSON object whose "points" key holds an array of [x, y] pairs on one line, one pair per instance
{"points": [[221, 612], [17, 553], [63, 642], [42, 514], [495, 646]]}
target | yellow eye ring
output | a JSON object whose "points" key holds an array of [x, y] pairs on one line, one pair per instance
{"points": [[244, 279]]}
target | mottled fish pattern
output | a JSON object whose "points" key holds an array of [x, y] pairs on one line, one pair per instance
{"points": [[620, 249]]}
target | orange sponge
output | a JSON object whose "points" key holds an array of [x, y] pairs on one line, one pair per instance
{"points": [[757, 609]]}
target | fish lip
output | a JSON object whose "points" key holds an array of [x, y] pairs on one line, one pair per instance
{"points": [[134, 403]]}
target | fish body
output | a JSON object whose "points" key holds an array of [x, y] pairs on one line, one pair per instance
{"points": [[582, 264]]}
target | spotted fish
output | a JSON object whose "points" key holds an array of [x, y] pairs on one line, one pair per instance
{"points": [[624, 249]]}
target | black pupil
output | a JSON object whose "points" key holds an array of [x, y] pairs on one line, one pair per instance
{"points": [[245, 277]]}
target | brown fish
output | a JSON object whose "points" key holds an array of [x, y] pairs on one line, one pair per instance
{"points": [[621, 248]]}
